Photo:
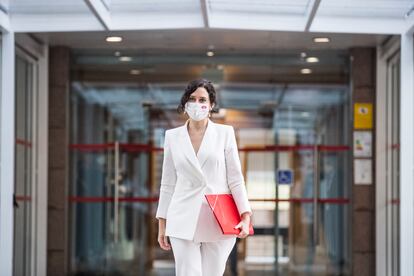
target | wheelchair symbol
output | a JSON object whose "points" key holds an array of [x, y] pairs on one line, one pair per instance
{"points": [[285, 177]]}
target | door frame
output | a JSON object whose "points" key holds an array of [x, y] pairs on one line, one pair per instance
{"points": [[37, 53], [384, 53]]}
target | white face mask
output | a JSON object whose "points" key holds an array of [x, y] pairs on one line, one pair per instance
{"points": [[196, 111]]}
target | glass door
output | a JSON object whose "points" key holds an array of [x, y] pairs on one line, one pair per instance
{"points": [[25, 165], [298, 180], [111, 192]]}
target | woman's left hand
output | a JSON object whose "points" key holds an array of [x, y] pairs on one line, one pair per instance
{"points": [[243, 226]]}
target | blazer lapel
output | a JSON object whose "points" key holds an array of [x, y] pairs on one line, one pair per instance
{"points": [[207, 145], [188, 151]]}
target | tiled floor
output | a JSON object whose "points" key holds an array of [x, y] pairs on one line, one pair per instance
{"points": [[167, 269]]}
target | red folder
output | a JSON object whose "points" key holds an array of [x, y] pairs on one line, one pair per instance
{"points": [[226, 213]]}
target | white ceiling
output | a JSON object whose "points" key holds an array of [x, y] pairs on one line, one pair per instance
{"points": [[336, 16]]}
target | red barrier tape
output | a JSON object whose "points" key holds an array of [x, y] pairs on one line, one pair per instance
{"points": [[297, 148], [23, 143], [155, 199], [111, 199], [23, 198], [111, 146], [303, 200], [395, 201], [147, 148]]}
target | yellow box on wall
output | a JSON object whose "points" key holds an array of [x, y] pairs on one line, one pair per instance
{"points": [[363, 116]]}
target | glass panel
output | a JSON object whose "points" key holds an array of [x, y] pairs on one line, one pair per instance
{"points": [[111, 221], [23, 226], [47, 6], [145, 6], [353, 8], [276, 7], [298, 232], [277, 126]]}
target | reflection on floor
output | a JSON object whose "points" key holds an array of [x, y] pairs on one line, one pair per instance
{"points": [[166, 268]]}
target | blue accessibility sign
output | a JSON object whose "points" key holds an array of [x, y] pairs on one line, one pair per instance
{"points": [[284, 177]]}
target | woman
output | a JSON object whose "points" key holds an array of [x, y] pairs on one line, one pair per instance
{"points": [[200, 157]]}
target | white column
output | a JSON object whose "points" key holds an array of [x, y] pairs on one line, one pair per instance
{"points": [[7, 145], [407, 156], [42, 173]]}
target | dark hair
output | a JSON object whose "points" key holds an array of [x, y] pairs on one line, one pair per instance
{"points": [[191, 87]]}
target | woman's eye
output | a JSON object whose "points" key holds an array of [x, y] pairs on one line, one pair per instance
{"points": [[202, 100]]}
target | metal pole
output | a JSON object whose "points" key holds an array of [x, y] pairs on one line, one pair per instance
{"points": [[116, 193]]}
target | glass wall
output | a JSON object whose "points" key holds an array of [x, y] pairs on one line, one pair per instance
{"points": [[117, 128], [110, 184], [297, 178]]}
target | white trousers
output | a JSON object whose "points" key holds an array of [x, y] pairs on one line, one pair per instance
{"points": [[201, 258]]}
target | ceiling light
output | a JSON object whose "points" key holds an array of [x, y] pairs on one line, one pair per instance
{"points": [[321, 39], [305, 71], [113, 39], [117, 53], [312, 59], [125, 58], [210, 53], [135, 72], [303, 54], [220, 67]]}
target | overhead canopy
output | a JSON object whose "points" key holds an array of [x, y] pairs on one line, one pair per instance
{"points": [[351, 16]]}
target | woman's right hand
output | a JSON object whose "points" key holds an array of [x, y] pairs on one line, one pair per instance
{"points": [[162, 238]]}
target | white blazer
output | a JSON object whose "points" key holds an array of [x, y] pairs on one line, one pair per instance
{"points": [[187, 177]]}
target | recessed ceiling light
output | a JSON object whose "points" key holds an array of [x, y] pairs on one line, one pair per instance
{"points": [[135, 72], [220, 67], [117, 53], [303, 54], [321, 39], [210, 53], [312, 59], [113, 39], [125, 58], [305, 71]]}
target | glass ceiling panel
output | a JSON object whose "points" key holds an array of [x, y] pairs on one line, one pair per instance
{"points": [[47, 6], [177, 6], [282, 7], [366, 8], [5, 4]]}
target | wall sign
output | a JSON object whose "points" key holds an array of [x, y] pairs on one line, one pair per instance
{"points": [[363, 116], [363, 171], [362, 143], [285, 177]]}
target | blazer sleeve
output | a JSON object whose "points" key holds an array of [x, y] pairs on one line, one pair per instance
{"points": [[235, 178], [168, 180]]}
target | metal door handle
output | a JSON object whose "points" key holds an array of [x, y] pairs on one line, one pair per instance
{"points": [[116, 192], [315, 194]]}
